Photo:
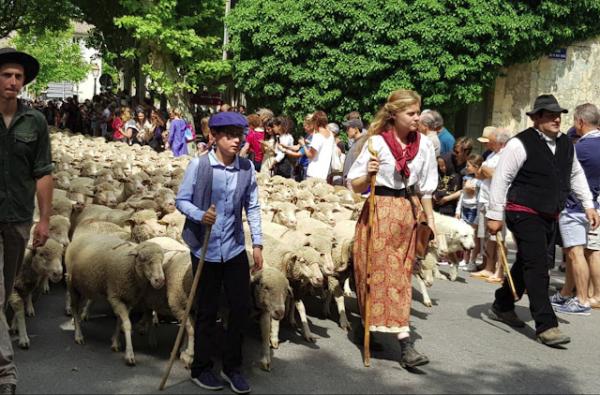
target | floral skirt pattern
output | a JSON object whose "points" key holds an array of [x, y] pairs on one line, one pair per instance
{"points": [[392, 257]]}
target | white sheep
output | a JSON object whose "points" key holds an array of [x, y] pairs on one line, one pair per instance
{"points": [[453, 235], [108, 267], [38, 264], [270, 291]]}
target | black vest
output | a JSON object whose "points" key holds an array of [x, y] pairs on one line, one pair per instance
{"points": [[544, 181]]}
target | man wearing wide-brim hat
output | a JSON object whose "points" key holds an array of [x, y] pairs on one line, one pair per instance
{"points": [[25, 169], [530, 186]]}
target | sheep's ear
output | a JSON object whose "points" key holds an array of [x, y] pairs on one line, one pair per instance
{"points": [[256, 276]]}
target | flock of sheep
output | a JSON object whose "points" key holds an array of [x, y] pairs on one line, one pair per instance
{"points": [[117, 233]]}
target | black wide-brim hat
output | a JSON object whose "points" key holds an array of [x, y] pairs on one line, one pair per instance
{"points": [[546, 103], [29, 63]]}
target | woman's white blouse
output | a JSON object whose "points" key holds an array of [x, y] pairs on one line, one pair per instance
{"points": [[423, 167]]}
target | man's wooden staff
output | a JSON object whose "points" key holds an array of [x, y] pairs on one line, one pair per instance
{"points": [[502, 253], [367, 335], [188, 308]]}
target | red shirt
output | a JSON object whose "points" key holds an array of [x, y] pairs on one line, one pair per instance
{"points": [[117, 125], [254, 138]]}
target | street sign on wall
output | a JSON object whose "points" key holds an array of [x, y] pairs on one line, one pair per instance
{"points": [[560, 54]]}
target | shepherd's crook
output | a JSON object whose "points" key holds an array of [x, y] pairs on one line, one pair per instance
{"points": [[188, 308], [367, 336], [502, 253]]}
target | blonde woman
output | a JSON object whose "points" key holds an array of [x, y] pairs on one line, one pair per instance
{"points": [[405, 162]]}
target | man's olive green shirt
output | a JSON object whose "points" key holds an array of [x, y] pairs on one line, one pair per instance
{"points": [[24, 158]]}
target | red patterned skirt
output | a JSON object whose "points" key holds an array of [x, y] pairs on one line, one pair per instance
{"points": [[392, 257]]}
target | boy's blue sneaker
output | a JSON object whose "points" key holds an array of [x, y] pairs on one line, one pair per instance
{"points": [[558, 300], [573, 307], [236, 381], [208, 380]]}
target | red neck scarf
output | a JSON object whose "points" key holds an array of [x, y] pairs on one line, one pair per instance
{"points": [[402, 156]]}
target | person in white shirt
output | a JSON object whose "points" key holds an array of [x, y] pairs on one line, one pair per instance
{"points": [[282, 165], [404, 166], [427, 124], [530, 186], [492, 271], [321, 148]]}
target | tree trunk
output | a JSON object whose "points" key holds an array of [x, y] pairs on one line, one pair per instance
{"points": [[140, 84], [127, 79], [177, 98]]}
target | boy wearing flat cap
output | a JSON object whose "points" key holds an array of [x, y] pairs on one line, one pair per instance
{"points": [[538, 170], [25, 168], [215, 189]]}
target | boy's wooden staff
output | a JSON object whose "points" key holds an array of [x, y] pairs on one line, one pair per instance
{"points": [[502, 253], [188, 308], [367, 335]]}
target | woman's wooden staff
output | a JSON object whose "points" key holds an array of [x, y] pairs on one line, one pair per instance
{"points": [[502, 253], [367, 335], [188, 308]]}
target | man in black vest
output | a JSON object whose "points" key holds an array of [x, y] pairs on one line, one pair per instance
{"points": [[537, 172]]}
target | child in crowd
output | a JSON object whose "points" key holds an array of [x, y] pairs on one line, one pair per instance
{"points": [[466, 209]]}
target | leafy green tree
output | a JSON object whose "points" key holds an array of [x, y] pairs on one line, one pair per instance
{"points": [[59, 56], [34, 15], [299, 55], [182, 55], [177, 42]]}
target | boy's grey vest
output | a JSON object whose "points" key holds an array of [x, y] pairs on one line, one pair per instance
{"points": [[193, 232]]}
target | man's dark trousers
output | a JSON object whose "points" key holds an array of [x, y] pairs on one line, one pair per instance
{"points": [[534, 235], [234, 276]]}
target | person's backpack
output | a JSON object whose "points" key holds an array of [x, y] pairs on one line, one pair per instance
{"points": [[190, 133], [337, 166]]}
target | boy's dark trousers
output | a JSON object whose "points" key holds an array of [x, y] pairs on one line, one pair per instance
{"points": [[234, 275]]}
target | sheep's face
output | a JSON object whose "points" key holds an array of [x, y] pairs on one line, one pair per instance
{"points": [[465, 235], [324, 247], [342, 253], [106, 198], [89, 169], [324, 214], [78, 197], [59, 229], [309, 268], [346, 197], [148, 260], [425, 269], [62, 180], [286, 216], [147, 230], [166, 201], [271, 291], [47, 260]]}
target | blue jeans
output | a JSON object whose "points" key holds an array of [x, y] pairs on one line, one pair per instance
{"points": [[469, 215]]}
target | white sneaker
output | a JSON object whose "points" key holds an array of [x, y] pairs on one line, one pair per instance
{"points": [[470, 267], [462, 263]]}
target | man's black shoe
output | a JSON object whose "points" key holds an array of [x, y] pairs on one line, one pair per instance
{"points": [[7, 389], [508, 317]]}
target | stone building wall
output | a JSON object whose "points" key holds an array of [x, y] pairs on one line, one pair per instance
{"points": [[574, 80]]}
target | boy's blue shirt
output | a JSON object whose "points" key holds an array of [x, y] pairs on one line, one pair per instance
{"points": [[223, 244]]}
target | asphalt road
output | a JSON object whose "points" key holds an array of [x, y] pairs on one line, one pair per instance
{"points": [[468, 353]]}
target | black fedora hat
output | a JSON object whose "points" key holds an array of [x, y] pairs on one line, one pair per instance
{"points": [[29, 63], [547, 103]]}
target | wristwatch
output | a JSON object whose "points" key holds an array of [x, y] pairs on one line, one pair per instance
{"points": [[257, 246]]}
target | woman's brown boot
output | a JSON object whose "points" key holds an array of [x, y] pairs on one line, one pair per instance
{"points": [[409, 357]]}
